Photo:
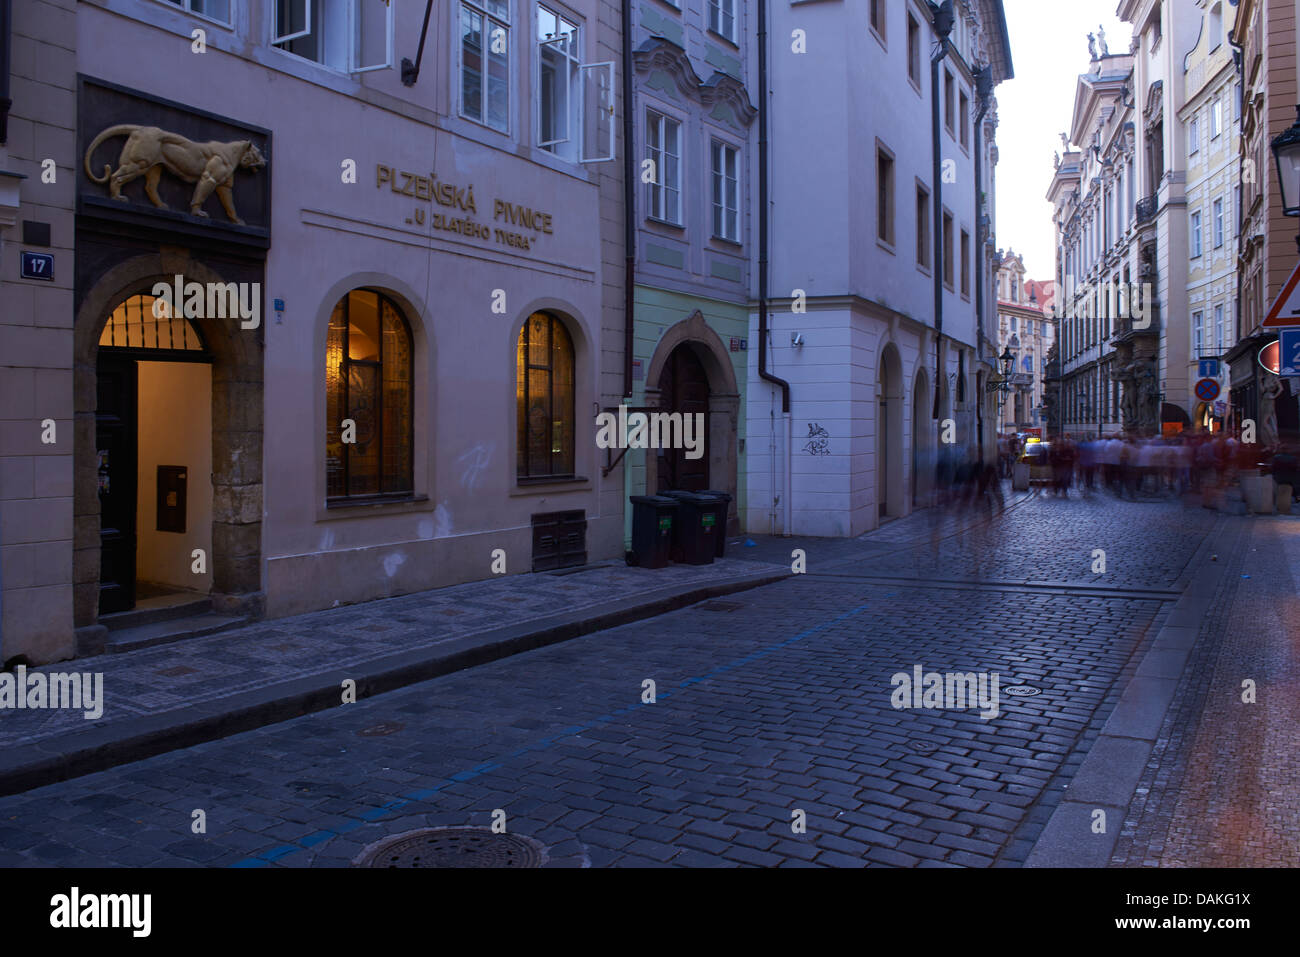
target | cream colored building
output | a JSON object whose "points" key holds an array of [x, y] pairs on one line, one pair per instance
{"points": [[1024, 327], [1210, 119]]}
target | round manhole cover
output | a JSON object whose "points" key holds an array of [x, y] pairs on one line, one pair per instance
{"points": [[379, 730], [453, 847], [923, 747], [1022, 691]]}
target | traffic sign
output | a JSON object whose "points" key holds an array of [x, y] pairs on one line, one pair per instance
{"points": [[1289, 360], [1208, 368], [1286, 307], [1207, 390]]}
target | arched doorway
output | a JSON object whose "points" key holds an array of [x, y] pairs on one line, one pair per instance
{"points": [[227, 423], [153, 456], [889, 434], [922, 467], [684, 388]]}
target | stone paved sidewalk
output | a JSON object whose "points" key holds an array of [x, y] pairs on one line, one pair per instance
{"points": [[1222, 787], [320, 649]]}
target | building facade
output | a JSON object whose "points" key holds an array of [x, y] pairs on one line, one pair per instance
{"points": [[1211, 116], [1265, 34], [693, 119], [1024, 327], [878, 314], [1120, 198], [325, 325]]}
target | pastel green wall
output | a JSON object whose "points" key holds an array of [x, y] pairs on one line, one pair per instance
{"points": [[656, 311]]}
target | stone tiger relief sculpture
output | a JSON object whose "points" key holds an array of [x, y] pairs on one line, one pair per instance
{"points": [[149, 150]]}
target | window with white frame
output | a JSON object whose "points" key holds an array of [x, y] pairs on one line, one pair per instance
{"points": [[1218, 330], [1194, 135], [1198, 335], [722, 18], [485, 62], [558, 83], [350, 35], [1218, 224], [663, 150], [218, 10], [1216, 119], [726, 192], [1195, 226]]}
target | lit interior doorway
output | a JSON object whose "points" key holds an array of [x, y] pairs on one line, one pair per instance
{"points": [[153, 441]]}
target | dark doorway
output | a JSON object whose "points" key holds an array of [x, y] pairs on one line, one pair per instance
{"points": [[684, 388], [115, 445], [882, 473]]}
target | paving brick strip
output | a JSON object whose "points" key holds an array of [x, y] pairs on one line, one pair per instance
{"points": [[1109, 776], [176, 696]]}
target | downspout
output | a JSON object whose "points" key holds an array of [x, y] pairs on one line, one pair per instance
{"points": [[942, 16], [629, 247], [763, 252], [629, 203], [6, 29], [983, 88]]}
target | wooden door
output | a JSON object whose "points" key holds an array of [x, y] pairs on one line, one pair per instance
{"points": [[115, 444], [684, 388]]}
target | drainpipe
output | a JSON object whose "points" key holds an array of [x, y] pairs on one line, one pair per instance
{"points": [[629, 203], [6, 29], [762, 255], [942, 17], [983, 89]]}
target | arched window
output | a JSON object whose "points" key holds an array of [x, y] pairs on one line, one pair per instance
{"points": [[368, 399], [144, 322], [544, 390]]}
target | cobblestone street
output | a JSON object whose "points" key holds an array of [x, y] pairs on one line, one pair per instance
{"points": [[768, 702]]}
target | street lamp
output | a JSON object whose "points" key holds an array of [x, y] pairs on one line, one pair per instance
{"points": [[1286, 156]]}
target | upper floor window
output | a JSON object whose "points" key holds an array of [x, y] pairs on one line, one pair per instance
{"points": [[878, 17], [884, 196], [663, 149], [350, 35], [965, 263], [545, 399], [726, 192], [1216, 119], [369, 398], [1195, 226], [722, 18], [913, 49], [1194, 135], [947, 250], [218, 10], [949, 102], [558, 83], [922, 226], [963, 117], [485, 62], [1218, 223]]}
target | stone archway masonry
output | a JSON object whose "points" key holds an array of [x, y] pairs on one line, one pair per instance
{"points": [[236, 559], [724, 404]]}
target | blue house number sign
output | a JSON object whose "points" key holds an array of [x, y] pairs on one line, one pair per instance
{"points": [[37, 266]]}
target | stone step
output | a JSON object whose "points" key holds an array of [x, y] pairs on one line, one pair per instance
{"points": [[164, 632], [185, 605]]}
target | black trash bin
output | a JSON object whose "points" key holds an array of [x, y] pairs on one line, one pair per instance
{"points": [[696, 527], [653, 521], [720, 528]]}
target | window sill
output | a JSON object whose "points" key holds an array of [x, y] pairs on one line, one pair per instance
{"points": [[725, 39], [535, 486], [924, 268], [664, 222], [734, 243], [886, 245], [880, 37], [360, 507]]}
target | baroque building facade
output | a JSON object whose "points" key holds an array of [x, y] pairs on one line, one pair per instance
{"points": [[1025, 328]]}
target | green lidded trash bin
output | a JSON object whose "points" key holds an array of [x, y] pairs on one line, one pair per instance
{"points": [[653, 521], [697, 527], [723, 503]]}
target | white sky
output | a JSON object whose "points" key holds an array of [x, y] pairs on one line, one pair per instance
{"points": [[1049, 49]]}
